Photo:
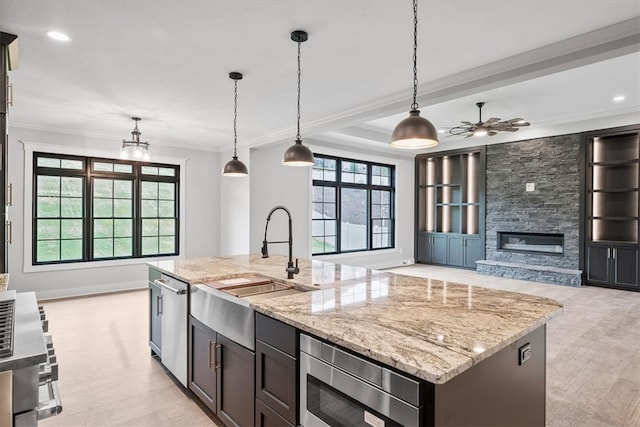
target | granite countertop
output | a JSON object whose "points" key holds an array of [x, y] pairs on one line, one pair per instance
{"points": [[4, 281], [432, 329]]}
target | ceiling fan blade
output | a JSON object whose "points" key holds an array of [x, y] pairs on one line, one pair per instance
{"points": [[492, 120], [491, 133], [468, 123], [509, 129], [469, 136], [500, 125], [518, 122]]}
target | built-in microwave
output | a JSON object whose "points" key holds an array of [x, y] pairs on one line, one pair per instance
{"points": [[340, 389]]}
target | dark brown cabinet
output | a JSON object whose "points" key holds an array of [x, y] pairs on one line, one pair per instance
{"points": [[612, 207], [202, 362], [221, 374], [8, 51], [235, 383], [276, 373], [267, 417], [450, 207]]}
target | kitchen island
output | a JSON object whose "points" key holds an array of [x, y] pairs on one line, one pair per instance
{"points": [[479, 353]]}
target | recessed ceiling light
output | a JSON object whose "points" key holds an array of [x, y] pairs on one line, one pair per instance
{"points": [[57, 35], [619, 98]]}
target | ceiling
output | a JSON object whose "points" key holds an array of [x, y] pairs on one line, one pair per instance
{"points": [[556, 64]]}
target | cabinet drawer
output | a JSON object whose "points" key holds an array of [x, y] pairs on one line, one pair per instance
{"points": [[276, 334], [267, 417], [276, 380]]}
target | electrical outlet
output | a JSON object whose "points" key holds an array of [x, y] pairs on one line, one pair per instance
{"points": [[530, 186], [524, 353]]}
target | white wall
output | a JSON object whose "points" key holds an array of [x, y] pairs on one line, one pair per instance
{"points": [[273, 184], [235, 207], [200, 218]]}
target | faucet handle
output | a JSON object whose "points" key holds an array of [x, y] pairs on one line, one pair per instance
{"points": [[296, 270], [265, 249]]}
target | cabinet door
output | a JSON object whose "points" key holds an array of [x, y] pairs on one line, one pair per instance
{"points": [[202, 362], [473, 250], [267, 417], [439, 249], [598, 264], [235, 384], [276, 380], [455, 251], [155, 319], [424, 248], [625, 267]]}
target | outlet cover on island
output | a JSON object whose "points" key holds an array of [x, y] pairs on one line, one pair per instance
{"points": [[530, 186]]}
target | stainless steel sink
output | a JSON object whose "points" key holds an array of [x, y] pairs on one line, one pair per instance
{"points": [[245, 291], [225, 306]]}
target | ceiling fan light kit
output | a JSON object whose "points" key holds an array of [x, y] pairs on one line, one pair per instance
{"points": [[414, 132], [235, 167], [489, 128]]}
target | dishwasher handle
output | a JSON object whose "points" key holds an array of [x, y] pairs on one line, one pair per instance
{"points": [[171, 288]]}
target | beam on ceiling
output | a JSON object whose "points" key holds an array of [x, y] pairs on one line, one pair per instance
{"points": [[606, 43]]}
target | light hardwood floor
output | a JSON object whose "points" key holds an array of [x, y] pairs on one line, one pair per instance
{"points": [[107, 377]]}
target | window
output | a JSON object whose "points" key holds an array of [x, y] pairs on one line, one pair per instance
{"points": [[352, 205], [89, 209]]}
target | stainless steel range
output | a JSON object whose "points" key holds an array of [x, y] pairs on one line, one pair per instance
{"points": [[6, 327], [28, 366]]}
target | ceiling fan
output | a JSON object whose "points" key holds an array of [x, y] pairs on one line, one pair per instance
{"points": [[490, 127]]}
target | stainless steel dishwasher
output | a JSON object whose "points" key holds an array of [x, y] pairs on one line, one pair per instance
{"points": [[173, 311]]}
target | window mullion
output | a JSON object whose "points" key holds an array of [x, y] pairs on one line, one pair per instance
{"points": [[88, 214]]}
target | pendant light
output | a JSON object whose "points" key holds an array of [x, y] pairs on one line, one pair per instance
{"points": [[298, 154], [135, 149], [235, 167], [414, 131]]}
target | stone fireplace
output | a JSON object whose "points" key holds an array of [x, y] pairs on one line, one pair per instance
{"points": [[533, 235]]}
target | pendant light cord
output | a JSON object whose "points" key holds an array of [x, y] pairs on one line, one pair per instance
{"points": [[235, 118], [414, 106], [298, 137]]}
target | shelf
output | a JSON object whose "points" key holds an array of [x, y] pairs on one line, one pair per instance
{"points": [[617, 190], [614, 218], [444, 185], [617, 243], [616, 162]]}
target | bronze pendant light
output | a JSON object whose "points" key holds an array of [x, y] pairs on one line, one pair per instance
{"points": [[235, 167], [414, 131], [298, 154]]}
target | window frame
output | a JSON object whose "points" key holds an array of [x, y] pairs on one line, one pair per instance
{"points": [[338, 184], [88, 175]]}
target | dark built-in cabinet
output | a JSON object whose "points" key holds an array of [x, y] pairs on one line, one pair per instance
{"points": [[276, 373], [450, 190], [612, 181], [8, 61], [221, 374]]}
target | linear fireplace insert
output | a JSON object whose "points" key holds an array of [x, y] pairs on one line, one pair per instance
{"points": [[537, 243]]}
